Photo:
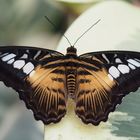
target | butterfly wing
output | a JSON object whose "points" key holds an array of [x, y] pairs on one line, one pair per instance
{"points": [[34, 74], [104, 79]]}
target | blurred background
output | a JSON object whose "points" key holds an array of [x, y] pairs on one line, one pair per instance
{"points": [[22, 22]]}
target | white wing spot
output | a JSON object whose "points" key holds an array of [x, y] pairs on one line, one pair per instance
{"points": [[104, 56], [19, 64], [131, 66], [11, 61], [114, 72], [8, 57], [118, 60], [27, 51], [37, 54], [110, 77], [123, 68], [4, 54], [28, 68], [137, 59], [134, 62], [25, 56]]}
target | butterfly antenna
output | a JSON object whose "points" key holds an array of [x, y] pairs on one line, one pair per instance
{"points": [[85, 32], [47, 18]]}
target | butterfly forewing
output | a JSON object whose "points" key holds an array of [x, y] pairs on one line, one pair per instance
{"points": [[48, 94], [30, 72], [99, 91]]}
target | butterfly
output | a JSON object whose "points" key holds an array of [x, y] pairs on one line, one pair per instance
{"points": [[45, 79]]}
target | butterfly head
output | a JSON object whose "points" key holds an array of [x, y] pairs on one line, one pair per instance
{"points": [[71, 51]]}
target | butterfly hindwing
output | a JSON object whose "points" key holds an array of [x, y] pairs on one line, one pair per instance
{"points": [[31, 73], [110, 77], [94, 99], [48, 98]]}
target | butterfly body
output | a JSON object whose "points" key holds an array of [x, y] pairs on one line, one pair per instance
{"points": [[45, 79]]}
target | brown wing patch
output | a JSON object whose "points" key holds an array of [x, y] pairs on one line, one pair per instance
{"points": [[48, 98], [94, 99]]}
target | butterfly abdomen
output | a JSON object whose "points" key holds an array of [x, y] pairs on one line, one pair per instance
{"points": [[71, 82]]}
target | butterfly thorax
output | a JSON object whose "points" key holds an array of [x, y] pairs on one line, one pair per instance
{"points": [[71, 51]]}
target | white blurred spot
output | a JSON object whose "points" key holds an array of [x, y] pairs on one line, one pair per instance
{"points": [[28, 68], [19, 64], [123, 68], [118, 60], [4, 54], [104, 56], [134, 62], [114, 72], [8, 57], [24, 56], [131, 66], [37, 54], [11, 61]]}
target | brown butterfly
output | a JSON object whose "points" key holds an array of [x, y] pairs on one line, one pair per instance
{"points": [[45, 79]]}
